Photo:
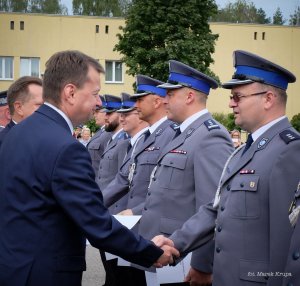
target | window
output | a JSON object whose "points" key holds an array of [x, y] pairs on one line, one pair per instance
{"points": [[106, 29], [263, 35], [6, 67], [12, 25], [255, 35], [21, 25], [113, 71], [97, 29], [30, 66]]}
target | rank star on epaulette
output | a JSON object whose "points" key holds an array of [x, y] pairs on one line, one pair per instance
{"points": [[247, 172], [178, 151], [211, 124], [152, 148]]}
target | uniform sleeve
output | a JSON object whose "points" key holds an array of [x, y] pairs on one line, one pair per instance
{"points": [[77, 193]]}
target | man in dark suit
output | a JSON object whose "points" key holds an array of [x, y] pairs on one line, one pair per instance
{"points": [[50, 202], [24, 96], [248, 218]]}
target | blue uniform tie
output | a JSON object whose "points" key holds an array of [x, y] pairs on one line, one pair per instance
{"points": [[248, 143]]}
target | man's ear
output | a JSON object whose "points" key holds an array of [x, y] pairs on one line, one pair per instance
{"points": [[18, 108], [69, 93], [190, 96], [269, 99]]}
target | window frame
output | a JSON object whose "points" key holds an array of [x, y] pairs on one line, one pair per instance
{"points": [[30, 66], [113, 75], [2, 59]]}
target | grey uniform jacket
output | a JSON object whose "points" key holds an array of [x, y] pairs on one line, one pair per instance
{"points": [[145, 159], [186, 177], [112, 159], [292, 270], [252, 227], [96, 147]]}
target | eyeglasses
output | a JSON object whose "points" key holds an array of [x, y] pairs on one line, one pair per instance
{"points": [[237, 97]]}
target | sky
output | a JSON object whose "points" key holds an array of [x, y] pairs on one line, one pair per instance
{"points": [[287, 7]]}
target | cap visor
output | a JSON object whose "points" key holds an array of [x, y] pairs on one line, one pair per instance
{"points": [[109, 110], [137, 95], [170, 86], [124, 110], [235, 82]]}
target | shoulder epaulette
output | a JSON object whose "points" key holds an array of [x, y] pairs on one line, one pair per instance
{"points": [[211, 124], [288, 136]]}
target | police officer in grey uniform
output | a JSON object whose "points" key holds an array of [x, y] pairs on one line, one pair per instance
{"points": [[292, 271], [99, 141], [115, 150], [150, 105], [4, 110], [188, 169], [135, 128], [248, 218]]}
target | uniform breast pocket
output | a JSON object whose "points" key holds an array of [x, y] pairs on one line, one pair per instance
{"points": [[172, 171], [146, 164], [244, 199]]}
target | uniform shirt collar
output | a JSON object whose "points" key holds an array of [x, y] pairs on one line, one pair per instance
{"points": [[264, 128], [116, 134], [153, 127], [191, 119], [137, 135], [62, 114]]}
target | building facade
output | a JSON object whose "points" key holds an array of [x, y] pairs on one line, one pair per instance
{"points": [[28, 40]]}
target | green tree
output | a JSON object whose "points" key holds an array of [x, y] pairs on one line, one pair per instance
{"points": [[227, 120], [295, 18], [241, 11], [157, 30], [33, 6], [296, 122], [100, 7], [92, 125], [278, 17]]}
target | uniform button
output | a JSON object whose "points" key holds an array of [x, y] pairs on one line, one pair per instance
{"points": [[116, 206], [290, 284], [131, 197], [149, 194], [219, 228], [241, 185], [145, 208], [134, 172], [159, 165], [218, 249], [296, 255], [222, 208], [154, 179], [228, 187]]}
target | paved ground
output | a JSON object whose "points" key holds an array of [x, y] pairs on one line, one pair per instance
{"points": [[94, 276]]}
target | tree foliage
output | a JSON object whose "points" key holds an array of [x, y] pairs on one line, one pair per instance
{"points": [[295, 17], [241, 11], [296, 122], [227, 120], [157, 30], [278, 17], [109, 8], [33, 6]]}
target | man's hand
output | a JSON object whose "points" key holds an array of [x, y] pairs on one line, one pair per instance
{"points": [[167, 257], [161, 240], [126, 212], [198, 278]]}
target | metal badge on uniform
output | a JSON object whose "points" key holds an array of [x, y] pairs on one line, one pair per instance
{"points": [[262, 143], [178, 152], [131, 172], [158, 132], [294, 214], [243, 172], [152, 176], [288, 136], [190, 132], [152, 148], [252, 184]]}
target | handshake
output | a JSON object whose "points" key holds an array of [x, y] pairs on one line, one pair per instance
{"points": [[170, 252]]}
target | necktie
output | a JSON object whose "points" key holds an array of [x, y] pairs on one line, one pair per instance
{"points": [[146, 135], [248, 143], [177, 133], [129, 147]]}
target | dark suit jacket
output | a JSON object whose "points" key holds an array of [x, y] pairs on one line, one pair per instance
{"points": [[50, 203], [5, 131]]}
